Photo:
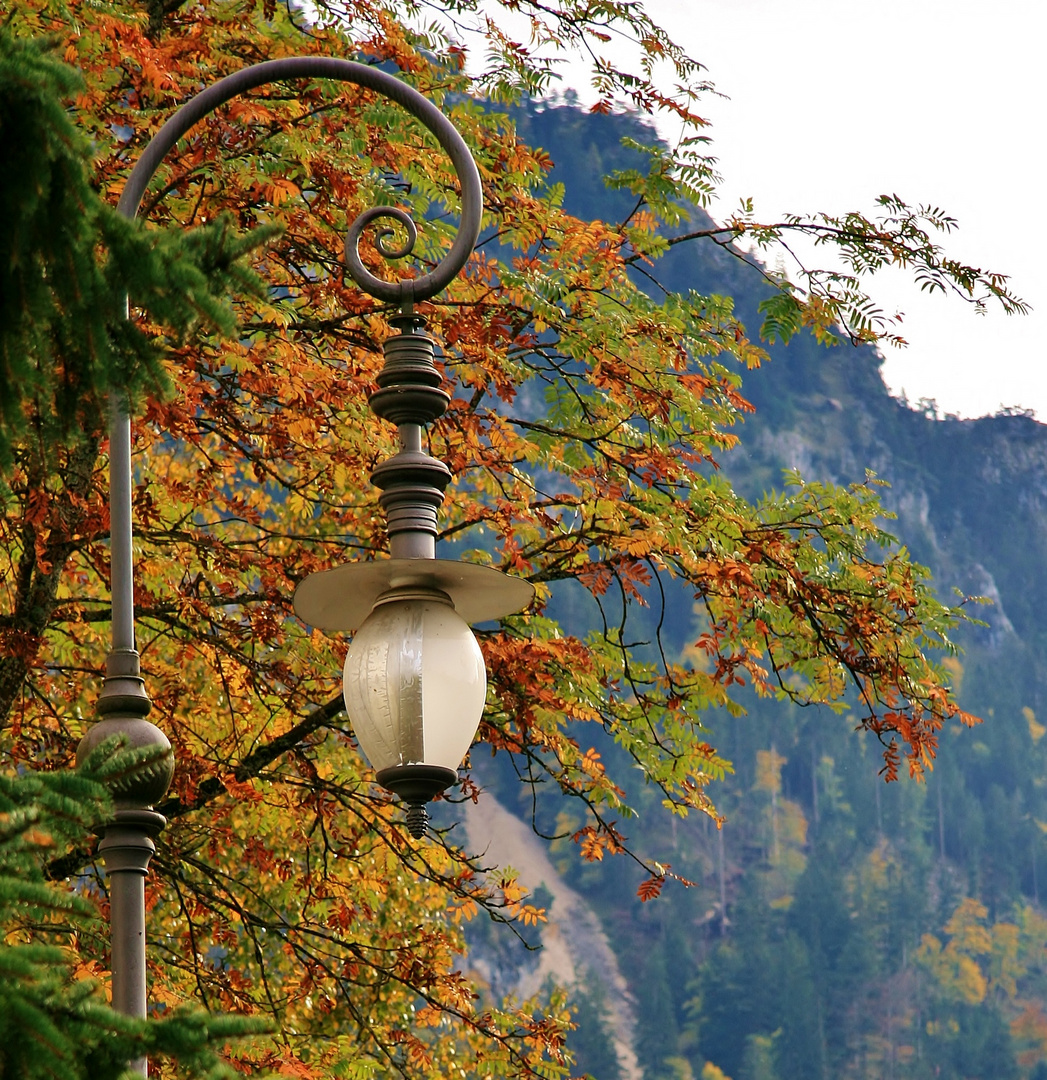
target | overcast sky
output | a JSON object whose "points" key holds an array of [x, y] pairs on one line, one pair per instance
{"points": [[833, 102]]}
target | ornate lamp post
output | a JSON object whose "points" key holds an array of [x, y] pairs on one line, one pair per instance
{"points": [[414, 677]]}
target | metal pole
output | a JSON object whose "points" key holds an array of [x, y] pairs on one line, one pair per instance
{"points": [[120, 554], [127, 848]]}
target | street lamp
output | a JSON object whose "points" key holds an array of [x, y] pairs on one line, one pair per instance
{"points": [[414, 677]]}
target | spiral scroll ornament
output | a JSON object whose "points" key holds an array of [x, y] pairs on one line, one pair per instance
{"points": [[353, 263], [404, 292]]}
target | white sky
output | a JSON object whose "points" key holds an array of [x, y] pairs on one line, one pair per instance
{"points": [[833, 102]]}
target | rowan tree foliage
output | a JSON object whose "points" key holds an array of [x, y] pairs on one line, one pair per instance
{"points": [[583, 433]]}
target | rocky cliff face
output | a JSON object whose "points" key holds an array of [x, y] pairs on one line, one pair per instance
{"points": [[970, 495], [573, 947]]}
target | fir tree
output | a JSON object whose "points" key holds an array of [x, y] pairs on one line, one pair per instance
{"points": [[54, 1023], [68, 262]]}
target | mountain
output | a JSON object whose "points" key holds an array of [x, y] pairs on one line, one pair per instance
{"points": [[839, 927]]}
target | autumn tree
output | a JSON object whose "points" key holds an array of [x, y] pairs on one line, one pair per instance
{"points": [[585, 422]]}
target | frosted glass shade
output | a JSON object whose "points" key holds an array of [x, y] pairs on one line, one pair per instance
{"points": [[414, 683]]}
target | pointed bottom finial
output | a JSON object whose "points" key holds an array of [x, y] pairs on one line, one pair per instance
{"points": [[417, 820]]}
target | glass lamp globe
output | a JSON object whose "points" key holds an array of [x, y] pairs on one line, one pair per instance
{"points": [[414, 685]]}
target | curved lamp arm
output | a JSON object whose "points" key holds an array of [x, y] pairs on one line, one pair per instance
{"points": [[319, 67], [123, 666]]}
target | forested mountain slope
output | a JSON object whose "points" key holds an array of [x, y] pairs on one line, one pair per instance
{"points": [[841, 927]]}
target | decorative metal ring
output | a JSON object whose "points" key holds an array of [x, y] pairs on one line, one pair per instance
{"points": [[313, 67]]}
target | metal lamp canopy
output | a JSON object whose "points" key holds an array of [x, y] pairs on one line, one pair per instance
{"points": [[341, 599]]}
